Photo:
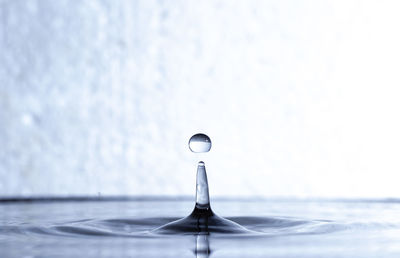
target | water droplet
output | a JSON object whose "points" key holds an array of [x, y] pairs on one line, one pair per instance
{"points": [[200, 143]]}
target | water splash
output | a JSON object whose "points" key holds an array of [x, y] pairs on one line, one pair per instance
{"points": [[202, 220]]}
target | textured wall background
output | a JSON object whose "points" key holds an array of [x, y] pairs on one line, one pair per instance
{"points": [[300, 98]]}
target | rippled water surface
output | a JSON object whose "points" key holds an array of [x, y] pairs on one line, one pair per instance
{"points": [[277, 228]]}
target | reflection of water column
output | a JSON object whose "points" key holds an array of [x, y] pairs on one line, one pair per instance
{"points": [[202, 246]]}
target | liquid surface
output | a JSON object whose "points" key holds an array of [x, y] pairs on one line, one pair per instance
{"points": [[278, 228]]}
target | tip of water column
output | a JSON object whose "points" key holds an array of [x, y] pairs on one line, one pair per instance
{"points": [[201, 163]]}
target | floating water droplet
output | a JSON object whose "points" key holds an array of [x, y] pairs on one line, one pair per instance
{"points": [[200, 143]]}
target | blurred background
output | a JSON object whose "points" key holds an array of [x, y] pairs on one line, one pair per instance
{"points": [[300, 98]]}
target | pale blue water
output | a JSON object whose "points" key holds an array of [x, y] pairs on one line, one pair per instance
{"points": [[278, 228]]}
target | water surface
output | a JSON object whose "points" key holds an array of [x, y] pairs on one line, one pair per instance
{"points": [[125, 228]]}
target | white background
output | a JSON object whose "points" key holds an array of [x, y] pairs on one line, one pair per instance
{"points": [[300, 98]]}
